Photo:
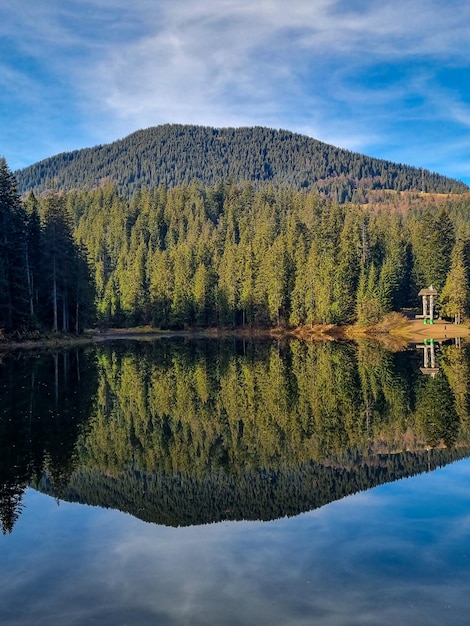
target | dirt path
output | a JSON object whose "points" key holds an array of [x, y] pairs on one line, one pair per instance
{"points": [[417, 330]]}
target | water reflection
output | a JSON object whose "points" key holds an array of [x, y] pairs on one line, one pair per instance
{"points": [[184, 433], [45, 401]]}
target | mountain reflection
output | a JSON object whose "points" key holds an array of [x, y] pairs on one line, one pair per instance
{"points": [[188, 432]]}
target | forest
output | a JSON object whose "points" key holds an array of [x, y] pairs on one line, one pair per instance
{"points": [[173, 154], [225, 255], [231, 256], [45, 280]]}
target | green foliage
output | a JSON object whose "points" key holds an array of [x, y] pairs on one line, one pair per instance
{"points": [[369, 305], [232, 255], [45, 279], [225, 255], [436, 415], [432, 240], [13, 240], [455, 297]]}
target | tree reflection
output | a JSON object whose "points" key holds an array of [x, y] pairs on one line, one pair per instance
{"points": [[220, 421], [45, 402], [436, 418], [186, 432]]}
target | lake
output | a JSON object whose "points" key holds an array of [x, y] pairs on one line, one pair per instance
{"points": [[199, 482]]}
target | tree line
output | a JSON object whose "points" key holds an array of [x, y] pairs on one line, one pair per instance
{"points": [[45, 281]]}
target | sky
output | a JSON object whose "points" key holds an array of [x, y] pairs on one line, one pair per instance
{"points": [[387, 79]]}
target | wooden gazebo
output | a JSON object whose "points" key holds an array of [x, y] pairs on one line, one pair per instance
{"points": [[429, 294]]}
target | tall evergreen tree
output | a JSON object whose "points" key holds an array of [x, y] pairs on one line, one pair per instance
{"points": [[58, 261], [33, 251], [432, 238], [13, 293]]}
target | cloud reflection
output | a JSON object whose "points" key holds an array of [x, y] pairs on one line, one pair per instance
{"points": [[395, 554]]}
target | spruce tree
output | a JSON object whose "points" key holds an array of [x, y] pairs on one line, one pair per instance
{"points": [[13, 290], [33, 252], [57, 261]]}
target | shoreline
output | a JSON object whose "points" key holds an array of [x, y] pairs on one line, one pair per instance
{"points": [[411, 332]]}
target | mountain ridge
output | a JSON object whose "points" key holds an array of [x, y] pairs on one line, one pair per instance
{"points": [[175, 154]]}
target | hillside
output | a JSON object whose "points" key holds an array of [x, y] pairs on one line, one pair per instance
{"points": [[172, 155]]}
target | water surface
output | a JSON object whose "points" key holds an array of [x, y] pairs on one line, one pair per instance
{"points": [[234, 483]]}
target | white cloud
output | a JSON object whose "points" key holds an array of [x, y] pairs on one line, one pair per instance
{"points": [[238, 61]]}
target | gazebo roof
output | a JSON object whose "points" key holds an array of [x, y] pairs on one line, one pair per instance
{"points": [[429, 291]]}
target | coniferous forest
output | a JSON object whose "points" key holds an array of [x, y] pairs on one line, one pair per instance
{"points": [[230, 253], [44, 273], [175, 154]]}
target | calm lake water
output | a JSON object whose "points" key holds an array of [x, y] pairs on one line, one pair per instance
{"points": [[208, 482]]}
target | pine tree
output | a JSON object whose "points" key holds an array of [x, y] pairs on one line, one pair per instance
{"points": [[201, 294], [347, 268], [228, 284], [297, 294], [13, 289], [369, 307], [33, 254], [57, 260], [82, 290], [274, 272], [432, 239], [161, 283], [182, 302]]}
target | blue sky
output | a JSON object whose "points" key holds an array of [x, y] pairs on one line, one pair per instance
{"points": [[388, 79]]}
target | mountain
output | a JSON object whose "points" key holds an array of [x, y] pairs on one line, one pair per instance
{"points": [[173, 154]]}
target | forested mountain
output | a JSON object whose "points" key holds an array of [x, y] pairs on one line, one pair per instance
{"points": [[172, 155], [225, 255]]}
